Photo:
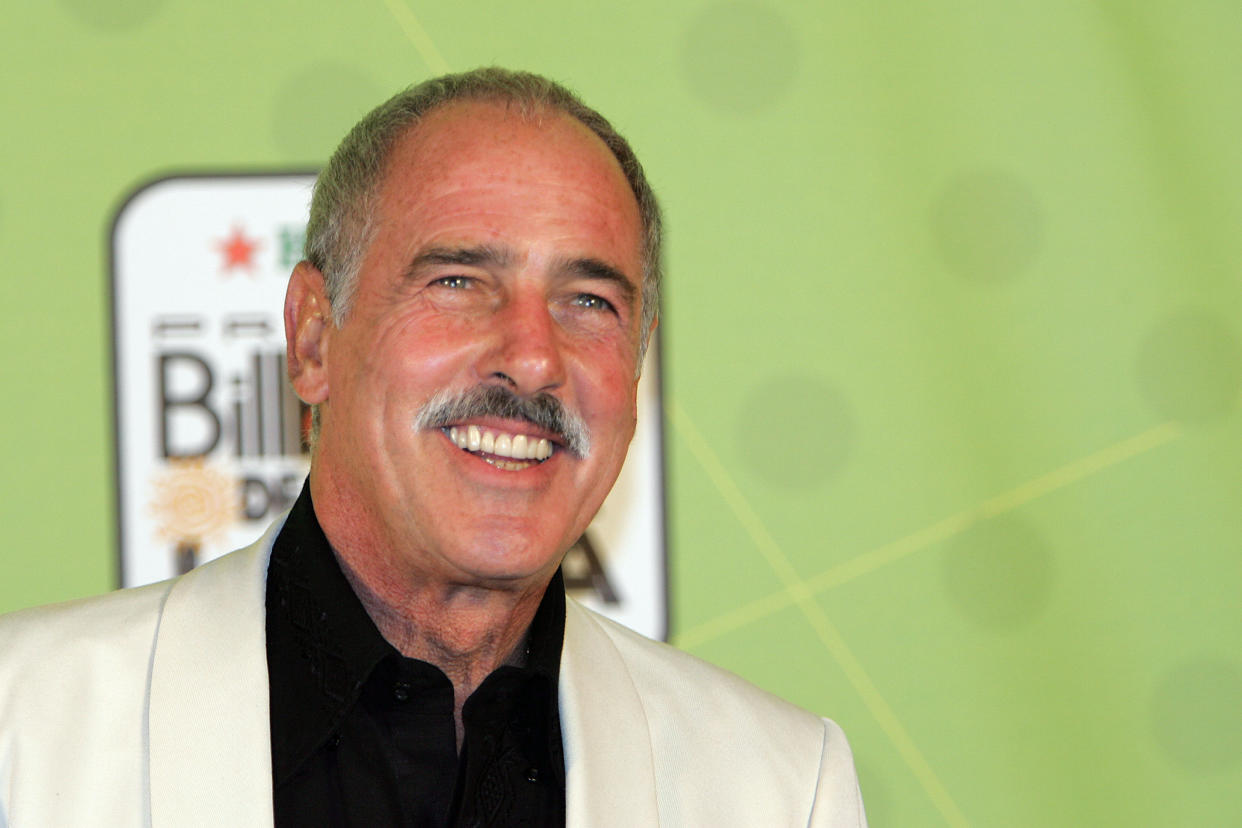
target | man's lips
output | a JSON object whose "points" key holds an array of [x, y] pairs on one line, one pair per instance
{"points": [[512, 451]]}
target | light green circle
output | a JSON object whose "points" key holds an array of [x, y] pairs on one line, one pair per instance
{"points": [[821, 432], [315, 108], [1189, 367], [739, 57], [988, 225], [998, 573], [1197, 715], [113, 15]]}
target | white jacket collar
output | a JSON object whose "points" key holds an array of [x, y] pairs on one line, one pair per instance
{"points": [[210, 744], [210, 740], [608, 762]]}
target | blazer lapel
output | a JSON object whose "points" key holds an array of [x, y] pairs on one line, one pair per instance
{"points": [[210, 744], [610, 775]]}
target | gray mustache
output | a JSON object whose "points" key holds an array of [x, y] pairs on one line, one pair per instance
{"points": [[541, 410]]}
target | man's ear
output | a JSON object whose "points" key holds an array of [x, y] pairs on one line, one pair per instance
{"points": [[650, 332], [308, 329], [650, 335], [647, 336]]}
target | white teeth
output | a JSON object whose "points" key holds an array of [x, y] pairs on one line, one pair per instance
{"points": [[507, 465], [516, 446]]}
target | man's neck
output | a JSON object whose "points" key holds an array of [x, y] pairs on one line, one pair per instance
{"points": [[424, 607], [466, 631]]}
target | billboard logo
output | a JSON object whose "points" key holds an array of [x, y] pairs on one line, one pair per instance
{"points": [[191, 503]]}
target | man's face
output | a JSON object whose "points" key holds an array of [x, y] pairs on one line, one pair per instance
{"points": [[507, 253]]}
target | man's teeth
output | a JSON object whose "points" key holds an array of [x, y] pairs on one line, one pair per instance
{"points": [[517, 446]]}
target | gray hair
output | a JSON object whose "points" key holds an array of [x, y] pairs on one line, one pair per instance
{"points": [[342, 208], [542, 410]]}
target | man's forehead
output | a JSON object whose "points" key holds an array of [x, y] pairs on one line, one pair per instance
{"points": [[468, 162], [499, 135]]}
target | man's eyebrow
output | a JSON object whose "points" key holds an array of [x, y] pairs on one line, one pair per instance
{"points": [[464, 256], [596, 269]]}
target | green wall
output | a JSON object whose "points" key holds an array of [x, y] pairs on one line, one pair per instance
{"points": [[952, 339]]}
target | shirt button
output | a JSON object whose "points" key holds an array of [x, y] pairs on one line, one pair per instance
{"points": [[401, 691], [532, 774]]}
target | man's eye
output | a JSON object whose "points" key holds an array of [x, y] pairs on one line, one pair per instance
{"points": [[592, 302], [456, 282]]}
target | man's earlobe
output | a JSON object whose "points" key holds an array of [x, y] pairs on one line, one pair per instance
{"points": [[308, 328], [647, 335]]}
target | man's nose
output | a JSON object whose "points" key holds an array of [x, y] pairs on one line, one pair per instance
{"points": [[527, 345]]}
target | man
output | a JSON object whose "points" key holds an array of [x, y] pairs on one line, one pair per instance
{"points": [[480, 286]]}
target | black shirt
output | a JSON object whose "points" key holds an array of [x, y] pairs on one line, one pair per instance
{"points": [[363, 736]]}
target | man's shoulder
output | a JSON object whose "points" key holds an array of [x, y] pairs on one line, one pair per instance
{"points": [[67, 629], [96, 654], [89, 633], [73, 679], [672, 679], [93, 690], [721, 750]]}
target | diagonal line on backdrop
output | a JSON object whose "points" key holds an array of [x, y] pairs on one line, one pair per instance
{"points": [[418, 36], [750, 521], [803, 597], [883, 714], [942, 530]]}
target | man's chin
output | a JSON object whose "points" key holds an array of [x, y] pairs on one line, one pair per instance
{"points": [[508, 571]]}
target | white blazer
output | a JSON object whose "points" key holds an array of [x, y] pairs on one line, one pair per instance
{"points": [[149, 706]]}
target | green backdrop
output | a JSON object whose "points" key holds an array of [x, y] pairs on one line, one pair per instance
{"points": [[952, 339]]}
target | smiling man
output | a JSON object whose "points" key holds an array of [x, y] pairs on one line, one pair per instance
{"points": [[480, 285]]}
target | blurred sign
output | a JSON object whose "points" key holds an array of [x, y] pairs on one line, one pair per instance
{"points": [[209, 433]]}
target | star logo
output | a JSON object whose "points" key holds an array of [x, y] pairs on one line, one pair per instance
{"points": [[238, 252]]}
